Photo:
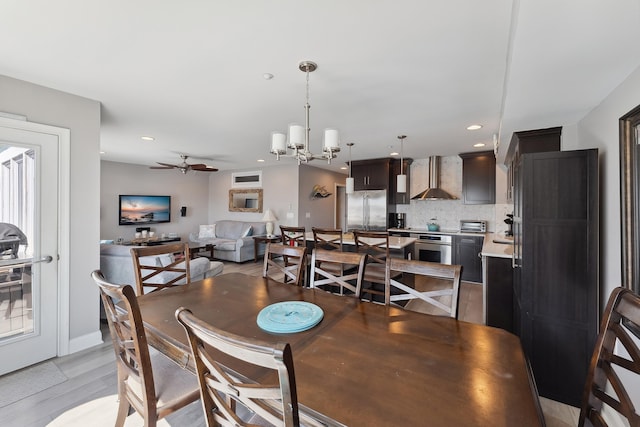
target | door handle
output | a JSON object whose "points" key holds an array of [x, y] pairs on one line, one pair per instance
{"points": [[17, 263]]}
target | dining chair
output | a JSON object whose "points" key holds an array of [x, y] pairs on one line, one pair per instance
{"points": [[427, 287], [331, 239], [161, 266], [292, 267], [615, 363], [293, 236], [148, 381], [375, 245], [327, 238], [223, 391], [325, 264]]}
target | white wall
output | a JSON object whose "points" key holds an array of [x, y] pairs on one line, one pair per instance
{"points": [[280, 194], [190, 190], [318, 212], [286, 191], [82, 117], [599, 129]]}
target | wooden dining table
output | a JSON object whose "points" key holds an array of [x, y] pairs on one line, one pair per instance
{"points": [[364, 364]]}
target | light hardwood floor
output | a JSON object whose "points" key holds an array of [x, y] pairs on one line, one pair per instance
{"points": [[88, 397]]}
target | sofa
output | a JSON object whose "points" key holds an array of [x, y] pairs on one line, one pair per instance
{"points": [[116, 265], [233, 239]]}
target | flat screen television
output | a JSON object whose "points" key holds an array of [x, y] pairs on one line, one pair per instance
{"points": [[134, 209]]}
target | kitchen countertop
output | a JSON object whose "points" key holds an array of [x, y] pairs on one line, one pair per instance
{"points": [[441, 231], [489, 247], [497, 250], [395, 242]]}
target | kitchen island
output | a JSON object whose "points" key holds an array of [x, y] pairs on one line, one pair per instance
{"points": [[398, 245], [497, 281], [496, 273]]}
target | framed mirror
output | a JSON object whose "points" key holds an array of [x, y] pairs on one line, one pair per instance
{"points": [[245, 200], [630, 202]]}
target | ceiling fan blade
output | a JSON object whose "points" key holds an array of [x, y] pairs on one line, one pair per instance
{"points": [[197, 166], [161, 167], [203, 168], [169, 165]]}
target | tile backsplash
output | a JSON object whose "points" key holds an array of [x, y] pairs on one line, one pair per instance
{"points": [[448, 213]]}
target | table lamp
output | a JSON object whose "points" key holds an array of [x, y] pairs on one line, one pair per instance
{"points": [[269, 217]]}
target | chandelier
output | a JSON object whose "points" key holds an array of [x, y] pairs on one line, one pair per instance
{"points": [[298, 141]]}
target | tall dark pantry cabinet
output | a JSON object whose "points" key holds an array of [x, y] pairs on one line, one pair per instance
{"points": [[556, 275]]}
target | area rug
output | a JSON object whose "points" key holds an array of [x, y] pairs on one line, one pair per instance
{"points": [[28, 381]]}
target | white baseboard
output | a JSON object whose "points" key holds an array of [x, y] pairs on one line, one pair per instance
{"points": [[85, 341]]}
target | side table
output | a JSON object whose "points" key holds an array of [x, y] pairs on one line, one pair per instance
{"points": [[262, 239]]}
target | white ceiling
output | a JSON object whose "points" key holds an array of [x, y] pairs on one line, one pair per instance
{"points": [[190, 73]]}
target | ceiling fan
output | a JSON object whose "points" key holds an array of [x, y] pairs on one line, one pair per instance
{"points": [[185, 167]]}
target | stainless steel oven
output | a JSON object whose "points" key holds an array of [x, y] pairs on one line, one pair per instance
{"points": [[433, 248]]}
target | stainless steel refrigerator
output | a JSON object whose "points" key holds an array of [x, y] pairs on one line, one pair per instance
{"points": [[367, 210]]}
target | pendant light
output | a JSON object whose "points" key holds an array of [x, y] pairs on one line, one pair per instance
{"points": [[350, 180], [299, 136], [401, 183]]}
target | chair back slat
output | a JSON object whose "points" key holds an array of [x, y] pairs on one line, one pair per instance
{"points": [[333, 269], [375, 245], [615, 363], [327, 238], [292, 266], [161, 266], [433, 284], [293, 236]]}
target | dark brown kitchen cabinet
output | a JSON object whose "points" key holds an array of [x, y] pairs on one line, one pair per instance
{"points": [[556, 267], [466, 252], [499, 292], [371, 174], [478, 178], [529, 141]]}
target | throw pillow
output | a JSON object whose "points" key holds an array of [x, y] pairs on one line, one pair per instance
{"points": [[207, 231], [247, 231]]}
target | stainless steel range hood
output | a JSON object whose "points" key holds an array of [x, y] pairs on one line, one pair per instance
{"points": [[434, 192]]}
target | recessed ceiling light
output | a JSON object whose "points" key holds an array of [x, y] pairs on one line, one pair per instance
{"points": [[148, 138], [103, 152], [474, 127], [344, 168], [267, 76], [479, 144], [260, 160], [394, 154]]}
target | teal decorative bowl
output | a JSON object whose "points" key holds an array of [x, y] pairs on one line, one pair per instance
{"points": [[433, 227]]}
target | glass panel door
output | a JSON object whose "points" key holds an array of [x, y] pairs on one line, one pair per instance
{"points": [[29, 211], [16, 231]]}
